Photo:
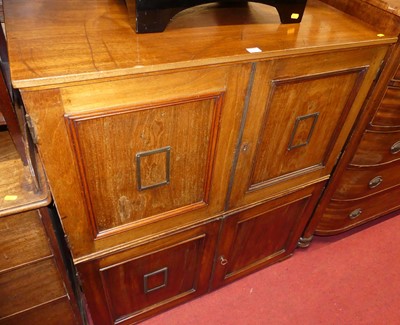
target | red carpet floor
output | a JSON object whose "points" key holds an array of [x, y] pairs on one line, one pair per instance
{"points": [[347, 279]]}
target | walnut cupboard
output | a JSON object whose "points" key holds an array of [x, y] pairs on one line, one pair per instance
{"points": [[180, 161]]}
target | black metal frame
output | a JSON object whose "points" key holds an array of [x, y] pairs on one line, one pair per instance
{"points": [[151, 16]]}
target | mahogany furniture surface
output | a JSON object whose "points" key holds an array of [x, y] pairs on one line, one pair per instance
{"points": [[366, 182], [183, 160]]}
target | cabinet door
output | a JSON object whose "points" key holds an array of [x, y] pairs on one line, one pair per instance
{"points": [[298, 118], [134, 284], [262, 235], [140, 156]]}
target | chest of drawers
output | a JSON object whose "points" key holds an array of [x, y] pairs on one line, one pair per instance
{"points": [[366, 184]]}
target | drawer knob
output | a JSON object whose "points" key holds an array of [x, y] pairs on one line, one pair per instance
{"points": [[376, 181], [356, 213], [395, 148], [223, 260]]}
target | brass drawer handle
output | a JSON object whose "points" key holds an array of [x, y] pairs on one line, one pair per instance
{"points": [[395, 148], [356, 213], [223, 260], [376, 181]]}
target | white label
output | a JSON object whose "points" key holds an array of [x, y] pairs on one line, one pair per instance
{"points": [[254, 50]]}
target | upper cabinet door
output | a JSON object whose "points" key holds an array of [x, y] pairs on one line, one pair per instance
{"points": [[299, 115], [148, 154], [147, 163]]}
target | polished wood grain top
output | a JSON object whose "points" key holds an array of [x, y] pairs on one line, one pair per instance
{"points": [[55, 41], [18, 192]]}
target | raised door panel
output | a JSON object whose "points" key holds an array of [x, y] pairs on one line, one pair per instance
{"points": [[298, 118], [147, 163], [262, 235], [132, 285], [300, 124]]}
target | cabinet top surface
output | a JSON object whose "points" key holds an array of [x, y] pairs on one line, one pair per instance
{"points": [[56, 41]]}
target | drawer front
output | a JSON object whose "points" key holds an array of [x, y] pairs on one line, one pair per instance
{"points": [[360, 182], [22, 239], [129, 286], [397, 75], [388, 113], [29, 286], [57, 312], [343, 215], [377, 148]]}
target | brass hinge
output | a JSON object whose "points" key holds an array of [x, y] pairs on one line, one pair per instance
{"points": [[32, 128]]}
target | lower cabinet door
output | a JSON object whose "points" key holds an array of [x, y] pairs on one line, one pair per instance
{"points": [[134, 284], [262, 235]]}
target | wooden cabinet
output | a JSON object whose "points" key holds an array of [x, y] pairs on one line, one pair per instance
{"points": [[34, 286], [366, 183], [182, 161]]}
